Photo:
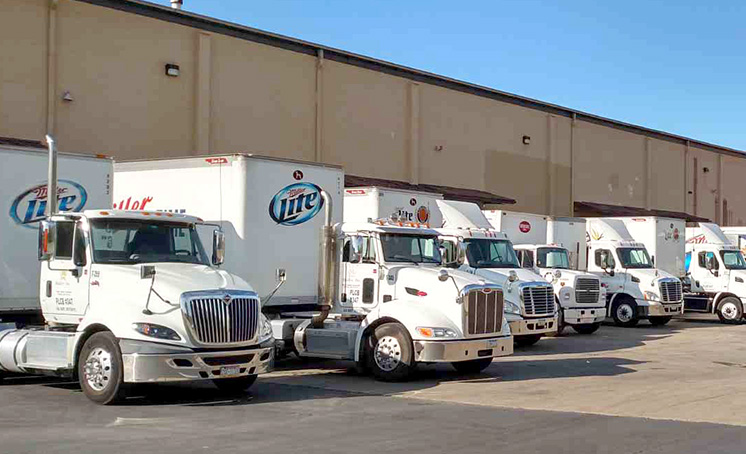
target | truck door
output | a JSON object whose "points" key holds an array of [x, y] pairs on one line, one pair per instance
{"points": [[602, 263], [709, 273], [360, 278], [65, 276]]}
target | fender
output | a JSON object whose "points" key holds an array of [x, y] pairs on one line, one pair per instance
{"points": [[718, 297], [612, 299], [82, 337]]}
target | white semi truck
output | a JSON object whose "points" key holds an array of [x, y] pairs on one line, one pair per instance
{"points": [[635, 288], [132, 297], [372, 291], [553, 247], [530, 304], [716, 273], [84, 182]]}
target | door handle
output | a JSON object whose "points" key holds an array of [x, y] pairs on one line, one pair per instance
{"points": [[49, 289]]}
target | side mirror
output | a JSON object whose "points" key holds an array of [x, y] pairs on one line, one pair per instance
{"points": [[79, 258], [47, 235], [147, 271], [443, 255], [443, 275], [218, 247], [461, 254], [356, 248]]}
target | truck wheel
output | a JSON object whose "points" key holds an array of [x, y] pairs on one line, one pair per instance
{"points": [[586, 328], [659, 321], [560, 321], [527, 340], [389, 353], [730, 310], [624, 313], [236, 385], [473, 366], [100, 369]]}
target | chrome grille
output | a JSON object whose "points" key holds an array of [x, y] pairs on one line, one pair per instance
{"points": [[219, 320], [671, 291], [483, 311], [538, 300], [587, 290]]}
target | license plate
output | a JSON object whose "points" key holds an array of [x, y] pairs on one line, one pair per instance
{"points": [[227, 371], [491, 343]]}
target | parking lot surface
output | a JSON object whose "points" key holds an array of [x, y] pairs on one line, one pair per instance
{"points": [[666, 389]]}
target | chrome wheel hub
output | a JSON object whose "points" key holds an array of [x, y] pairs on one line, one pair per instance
{"points": [[729, 311], [98, 369], [625, 313], [387, 353]]}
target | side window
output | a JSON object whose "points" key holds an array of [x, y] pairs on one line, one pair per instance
{"points": [[706, 256], [526, 258], [367, 250], [604, 255], [64, 243]]}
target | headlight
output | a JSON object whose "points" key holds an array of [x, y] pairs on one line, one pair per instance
{"points": [[157, 331], [266, 328], [651, 296], [566, 296], [512, 308], [436, 332]]}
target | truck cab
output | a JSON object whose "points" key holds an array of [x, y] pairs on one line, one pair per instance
{"points": [[635, 289], [133, 297], [579, 295], [716, 274]]}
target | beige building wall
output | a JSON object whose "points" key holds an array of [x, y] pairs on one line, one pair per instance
{"points": [[235, 95]]}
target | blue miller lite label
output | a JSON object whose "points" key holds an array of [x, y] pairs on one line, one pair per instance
{"points": [[30, 206], [296, 203]]}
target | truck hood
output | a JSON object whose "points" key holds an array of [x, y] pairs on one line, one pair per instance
{"points": [[425, 278], [649, 275], [119, 295]]}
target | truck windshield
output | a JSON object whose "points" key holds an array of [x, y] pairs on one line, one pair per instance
{"points": [[484, 253], [634, 257], [552, 257], [128, 241], [410, 248], [733, 260]]}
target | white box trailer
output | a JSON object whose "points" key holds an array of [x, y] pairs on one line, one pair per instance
{"points": [[570, 233], [521, 228], [363, 203], [84, 182], [255, 199], [664, 238]]}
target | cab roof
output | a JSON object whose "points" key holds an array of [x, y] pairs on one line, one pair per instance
{"points": [[141, 215], [470, 232], [404, 228]]}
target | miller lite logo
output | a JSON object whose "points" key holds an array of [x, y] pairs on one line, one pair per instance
{"points": [[295, 204], [29, 207]]}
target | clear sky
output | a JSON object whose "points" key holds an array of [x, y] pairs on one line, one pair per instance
{"points": [[673, 65]]}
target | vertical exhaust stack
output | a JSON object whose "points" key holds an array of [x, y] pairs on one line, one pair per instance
{"points": [[52, 177], [327, 280], [177, 4]]}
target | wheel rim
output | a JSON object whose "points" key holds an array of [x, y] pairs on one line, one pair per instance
{"points": [[98, 369], [624, 313], [729, 311], [387, 353]]}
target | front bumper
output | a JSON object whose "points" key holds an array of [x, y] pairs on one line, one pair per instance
{"points": [[145, 362], [528, 326], [462, 350], [585, 315], [647, 308]]}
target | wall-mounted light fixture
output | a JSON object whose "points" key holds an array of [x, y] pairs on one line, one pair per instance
{"points": [[67, 96], [438, 148], [705, 169], [526, 140], [172, 70]]}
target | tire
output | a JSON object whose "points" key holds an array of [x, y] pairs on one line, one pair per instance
{"points": [[560, 321], [527, 340], [473, 366], [100, 371], [389, 354], [730, 310], [624, 312], [659, 321], [586, 328], [235, 385]]}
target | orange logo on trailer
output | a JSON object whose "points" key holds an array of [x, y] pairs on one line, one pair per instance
{"points": [[423, 214], [524, 226]]}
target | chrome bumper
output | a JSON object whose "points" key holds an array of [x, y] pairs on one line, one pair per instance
{"points": [[647, 308], [462, 350], [145, 362], [533, 326], [582, 316]]}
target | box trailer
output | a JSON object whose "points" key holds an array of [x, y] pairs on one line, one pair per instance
{"points": [[664, 239], [84, 182]]}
